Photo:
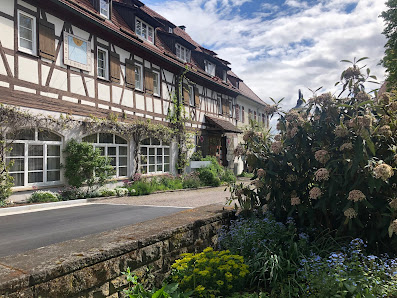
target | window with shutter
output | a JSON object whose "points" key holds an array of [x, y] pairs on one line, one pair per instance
{"points": [[237, 112], [227, 107], [148, 81], [186, 97], [115, 67], [129, 73], [47, 40], [196, 98], [242, 114]]}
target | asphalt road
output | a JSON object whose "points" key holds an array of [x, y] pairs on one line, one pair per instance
{"points": [[23, 232]]}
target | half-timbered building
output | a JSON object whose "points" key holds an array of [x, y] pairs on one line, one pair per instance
{"points": [[95, 57]]}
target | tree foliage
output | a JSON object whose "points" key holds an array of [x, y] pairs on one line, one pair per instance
{"points": [[390, 31]]}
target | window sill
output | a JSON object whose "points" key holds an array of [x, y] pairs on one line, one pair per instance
{"points": [[20, 51], [103, 79]]}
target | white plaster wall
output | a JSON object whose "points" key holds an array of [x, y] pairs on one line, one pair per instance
{"points": [[10, 60], [28, 70], [58, 23], [128, 98], [90, 83], [116, 94], [7, 7], [140, 101], [76, 84], [103, 92], [7, 32], [157, 106], [80, 33], [59, 80], [23, 3], [3, 70], [149, 104]]}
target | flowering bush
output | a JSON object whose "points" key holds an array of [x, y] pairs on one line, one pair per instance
{"points": [[210, 273], [349, 273], [332, 164], [272, 250]]}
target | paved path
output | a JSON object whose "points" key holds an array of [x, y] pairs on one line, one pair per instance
{"points": [[23, 232], [189, 198]]}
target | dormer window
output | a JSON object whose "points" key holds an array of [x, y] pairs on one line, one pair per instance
{"points": [[104, 8], [209, 68], [182, 53], [170, 30], [224, 74], [144, 30]]}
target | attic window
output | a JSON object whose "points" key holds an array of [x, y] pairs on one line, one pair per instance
{"points": [[224, 74], [144, 30], [104, 8], [182, 53], [209, 68], [170, 30]]}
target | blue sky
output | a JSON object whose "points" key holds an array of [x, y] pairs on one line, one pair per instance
{"points": [[278, 47]]}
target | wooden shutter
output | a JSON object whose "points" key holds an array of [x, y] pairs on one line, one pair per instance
{"points": [[227, 103], [114, 67], [225, 106], [196, 97], [148, 81], [47, 40], [242, 114], [237, 107], [186, 97], [129, 73]]}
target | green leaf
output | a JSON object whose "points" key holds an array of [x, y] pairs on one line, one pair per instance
{"points": [[347, 61], [364, 103], [361, 59]]}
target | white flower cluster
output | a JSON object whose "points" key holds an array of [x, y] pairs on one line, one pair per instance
{"points": [[356, 195], [315, 193], [322, 174]]}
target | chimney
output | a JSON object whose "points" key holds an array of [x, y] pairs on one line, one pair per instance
{"points": [[182, 27]]}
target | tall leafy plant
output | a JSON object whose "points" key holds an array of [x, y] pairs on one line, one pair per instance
{"points": [[84, 165]]}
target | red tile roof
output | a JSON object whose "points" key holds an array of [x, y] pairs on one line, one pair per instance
{"points": [[118, 24]]}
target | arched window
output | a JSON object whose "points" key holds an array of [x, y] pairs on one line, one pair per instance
{"points": [[155, 156], [114, 147], [36, 157]]}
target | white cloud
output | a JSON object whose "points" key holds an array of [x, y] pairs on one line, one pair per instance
{"points": [[301, 47]]}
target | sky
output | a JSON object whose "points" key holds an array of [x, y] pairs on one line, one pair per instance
{"points": [[280, 46]]}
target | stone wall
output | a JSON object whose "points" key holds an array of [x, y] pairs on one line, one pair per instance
{"points": [[91, 266]]}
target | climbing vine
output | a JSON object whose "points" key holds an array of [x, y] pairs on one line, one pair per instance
{"points": [[178, 118]]}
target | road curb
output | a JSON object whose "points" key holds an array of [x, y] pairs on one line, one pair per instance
{"points": [[41, 206]]}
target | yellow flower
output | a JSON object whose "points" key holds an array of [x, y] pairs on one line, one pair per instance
{"points": [[204, 273], [220, 282], [229, 287], [196, 270], [228, 276], [199, 288], [208, 249]]}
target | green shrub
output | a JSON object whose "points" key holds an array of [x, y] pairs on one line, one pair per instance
{"points": [[332, 164], [208, 176], [228, 176], [106, 192], [6, 181], [43, 197], [139, 188], [71, 193], [85, 165], [137, 290], [210, 273], [197, 156], [191, 181], [169, 182]]}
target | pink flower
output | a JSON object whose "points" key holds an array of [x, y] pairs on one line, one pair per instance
{"points": [[315, 193], [356, 195], [322, 174], [350, 213], [322, 156], [295, 201]]}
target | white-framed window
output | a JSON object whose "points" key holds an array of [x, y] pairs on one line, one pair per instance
{"points": [[36, 157], [144, 30], [182, 53], [113, 147], [209, 68], [156, 83], [191, 95], [138, 77], [155, 156], [27, 33], [104, 8], [220, 104], [102, 63], [170, 30]]}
